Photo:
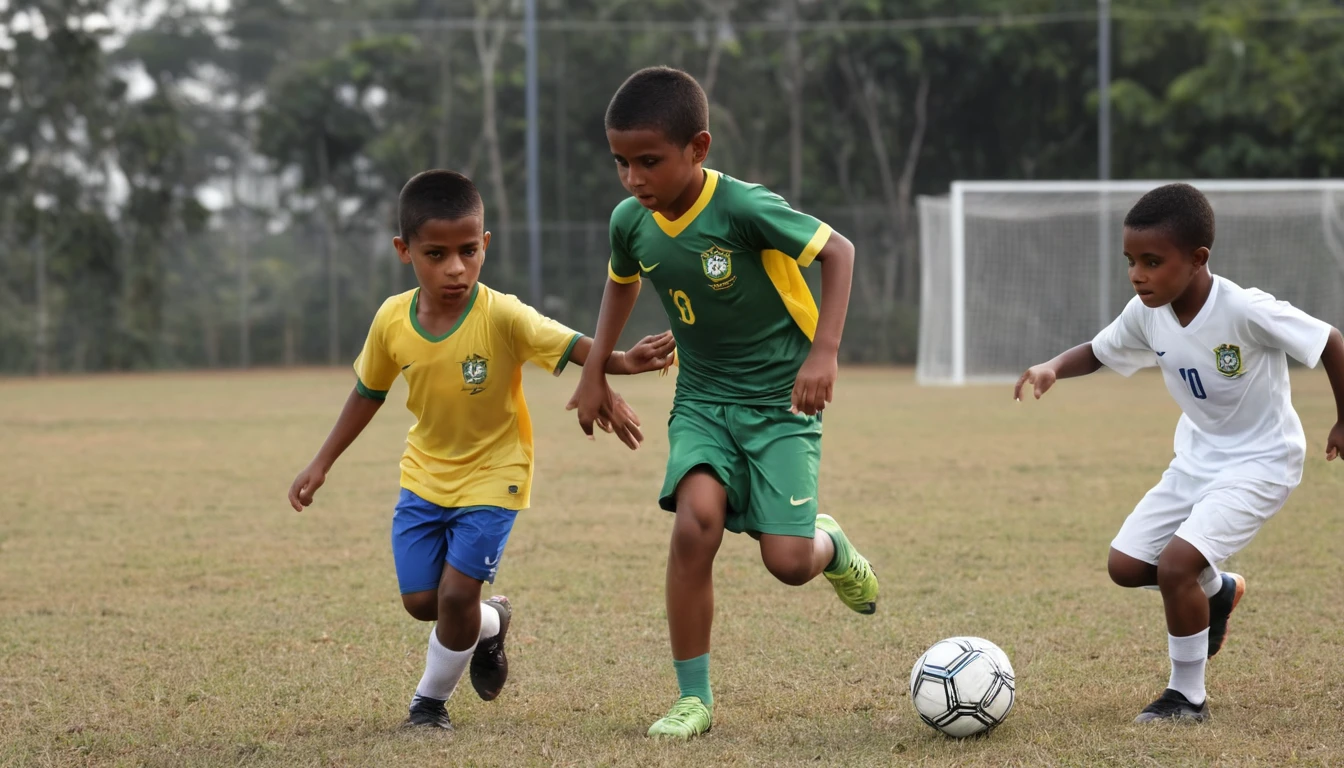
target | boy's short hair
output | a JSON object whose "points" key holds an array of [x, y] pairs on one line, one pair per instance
{"points": [[1179, 209], [662, 99], [436, 194]]}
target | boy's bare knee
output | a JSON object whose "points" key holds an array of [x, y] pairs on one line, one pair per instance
{"points": [[1180, 563], [788, 558], [453, 603], [1129, 572], [794, 572], [459, 618], [1173, 571], [422, 606], [695, 536], [698, 529]]}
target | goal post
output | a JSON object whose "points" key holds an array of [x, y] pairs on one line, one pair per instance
{"points": [[1012, 273]]}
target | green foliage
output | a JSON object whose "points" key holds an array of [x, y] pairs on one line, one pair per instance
{"points": [[297, 121]]}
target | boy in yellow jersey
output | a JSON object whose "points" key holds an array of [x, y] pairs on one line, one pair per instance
{"points": [[757, 365], [467, 468]]}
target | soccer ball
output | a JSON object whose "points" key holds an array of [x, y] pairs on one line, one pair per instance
{"points": [[962, 686]]}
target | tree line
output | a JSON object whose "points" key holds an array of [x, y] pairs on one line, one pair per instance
{"points": [[202, 188]]}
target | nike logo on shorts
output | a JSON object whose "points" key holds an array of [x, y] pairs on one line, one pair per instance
{"points": [[799, 502]]}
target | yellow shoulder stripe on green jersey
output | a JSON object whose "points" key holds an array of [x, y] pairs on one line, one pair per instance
{"points": [[815, 245], [621, 278]]}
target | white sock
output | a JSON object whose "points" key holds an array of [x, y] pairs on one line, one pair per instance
{"points": [[443, 668], [1211, 579], [1188, 657], [489, 623]]}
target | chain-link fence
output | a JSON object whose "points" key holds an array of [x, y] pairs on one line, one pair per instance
{"points": [[299, 169], [219, 191], [234, 298]]}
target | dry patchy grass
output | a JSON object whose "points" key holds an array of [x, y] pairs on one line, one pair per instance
{"points": [[161, 605]]}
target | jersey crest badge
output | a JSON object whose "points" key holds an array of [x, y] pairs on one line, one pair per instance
{"points": [[1228, 358], [474, 370], [718, 265]]}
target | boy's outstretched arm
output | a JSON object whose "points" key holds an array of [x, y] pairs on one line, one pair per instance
{"points": [[1333, 359], [1079, 361], [593, 398], [815, 384], [652, 353], [355, 416]]}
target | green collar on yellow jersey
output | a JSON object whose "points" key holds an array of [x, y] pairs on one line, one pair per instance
{"points": [[426, 335]]}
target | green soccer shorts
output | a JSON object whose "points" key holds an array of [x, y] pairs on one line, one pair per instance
{"points": [[766, 457]]}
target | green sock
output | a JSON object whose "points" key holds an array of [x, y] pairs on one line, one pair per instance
{"points": [[693, 678]]}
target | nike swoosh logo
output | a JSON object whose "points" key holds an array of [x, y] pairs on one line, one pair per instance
{"points": [[1159, 354], [408, 365], [799, 502], [476, 391], [648, 269], [488, 561]]}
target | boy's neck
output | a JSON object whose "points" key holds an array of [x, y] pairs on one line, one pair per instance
{"points": [[1192, 300], [437, 314], [688, 196]]}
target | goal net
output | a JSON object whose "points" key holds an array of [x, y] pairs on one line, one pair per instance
{"points": [[1013, 273]]}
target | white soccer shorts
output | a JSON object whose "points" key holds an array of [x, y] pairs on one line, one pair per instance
{"points": [[1219, 517]]}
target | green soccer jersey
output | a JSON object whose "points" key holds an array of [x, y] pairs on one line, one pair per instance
{"points": [[727, 273]]}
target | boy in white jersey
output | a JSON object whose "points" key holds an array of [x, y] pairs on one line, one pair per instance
{"points": [[1239, 444], [467, 468]]}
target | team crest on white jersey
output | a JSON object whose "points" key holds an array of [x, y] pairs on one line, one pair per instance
{"points": [[718, 266], [1228, 358], [474, 371]]}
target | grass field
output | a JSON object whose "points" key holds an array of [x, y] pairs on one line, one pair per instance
{"points": [[161, 605]]}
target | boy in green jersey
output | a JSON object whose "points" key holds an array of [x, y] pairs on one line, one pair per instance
{"points": [[757, 360]]}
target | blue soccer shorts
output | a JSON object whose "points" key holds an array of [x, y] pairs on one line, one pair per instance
{"points": [[426, 535]]}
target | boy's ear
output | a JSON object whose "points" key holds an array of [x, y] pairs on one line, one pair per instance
{"points": [[403, 249], [1200, 256], [700, 146], [485, 244]]}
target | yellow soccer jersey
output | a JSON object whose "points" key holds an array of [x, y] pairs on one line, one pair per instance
{"points": [[472, 440]]}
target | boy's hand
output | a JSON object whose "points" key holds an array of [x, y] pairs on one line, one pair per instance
{"points": [[305, 485], [652, 353], [588, 400], [597, 404], [1042, 376], [1334, 444], [815, 383], [622, 420]]}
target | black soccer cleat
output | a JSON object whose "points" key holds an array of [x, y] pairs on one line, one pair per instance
{"points": [[489, 664], [1221, 606], [428, 713], [1171, 707]]}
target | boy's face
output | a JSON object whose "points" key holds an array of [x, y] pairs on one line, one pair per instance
{"points": [[654, 169], [1159, 269], [447, 255]]}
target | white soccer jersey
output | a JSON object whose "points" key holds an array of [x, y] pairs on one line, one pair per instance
{"points": [[1228, 373]]}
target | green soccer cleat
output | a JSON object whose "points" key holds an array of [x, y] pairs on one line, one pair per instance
{"points": [[854, 579], [688, 718]]}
